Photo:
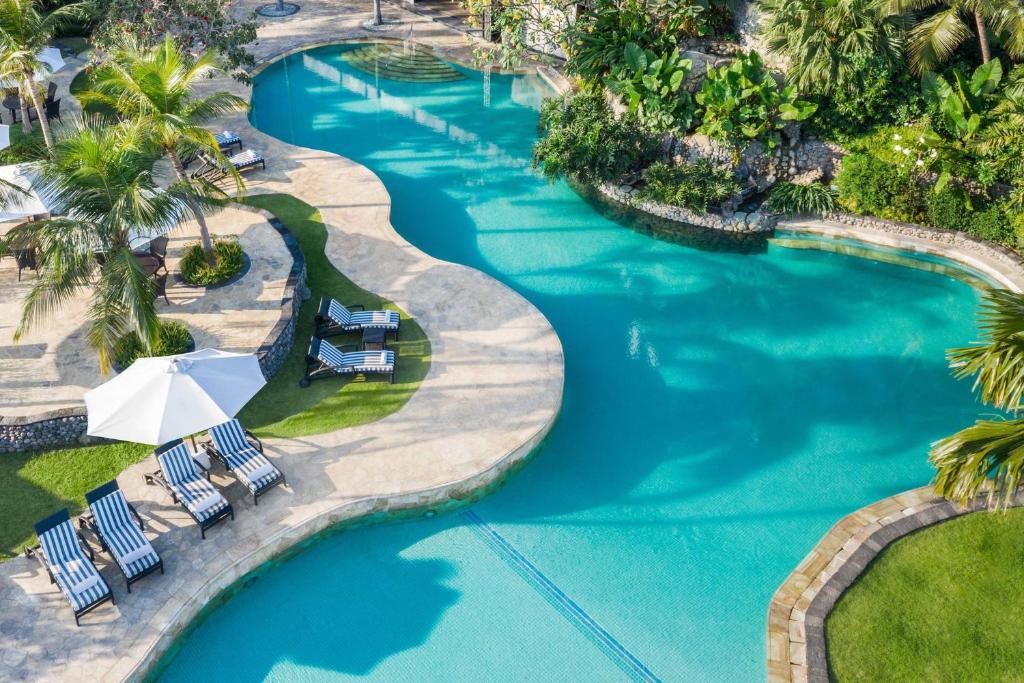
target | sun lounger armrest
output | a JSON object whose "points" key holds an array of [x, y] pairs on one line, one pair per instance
{"points": [[322, 315], [254, 440], [86, 546], [138, 519], [355, 307]]}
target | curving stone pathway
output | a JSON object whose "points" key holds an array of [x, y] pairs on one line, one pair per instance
{"points": [[492, 393]]}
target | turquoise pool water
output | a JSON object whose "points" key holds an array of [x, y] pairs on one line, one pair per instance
{"points": [[722, 410]]}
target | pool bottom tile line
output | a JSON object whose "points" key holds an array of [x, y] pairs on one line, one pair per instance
{"points": [[605, 641]]}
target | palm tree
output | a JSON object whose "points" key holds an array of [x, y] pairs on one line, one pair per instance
{"points": [[990, 450], [155, 88], [24, 31], [820, 40], [934, 39], [99, 179]]}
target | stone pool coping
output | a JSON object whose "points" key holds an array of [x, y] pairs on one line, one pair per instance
{"points": [[797, 650], [492, 393]]}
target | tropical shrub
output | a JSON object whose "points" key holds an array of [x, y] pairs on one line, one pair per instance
{"points": [[598, 36], [825, 42], [992, 224], [876, 92], [963, 105], [581, 137], [871, 186], [742, 102], [650, 84], [948, 209], [696, 187], [794, 199], [172, 338], [228, 261]]}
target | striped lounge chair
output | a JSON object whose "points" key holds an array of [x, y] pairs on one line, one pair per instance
{"points": [[334, 318], [119, 529], [212, 170], [180, 476], [60, 552], [241, 453], [325, 360], [227, 139]]}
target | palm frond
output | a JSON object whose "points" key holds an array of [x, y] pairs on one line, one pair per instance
{"points": [[934, 39], [985, 458]]}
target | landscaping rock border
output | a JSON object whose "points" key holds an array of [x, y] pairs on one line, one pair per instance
{"points": [[797, 649], [754, 222], [67, 426]]}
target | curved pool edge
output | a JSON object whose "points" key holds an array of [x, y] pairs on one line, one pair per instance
{"points": [[797, 649], [991, 260], [492, 394]]}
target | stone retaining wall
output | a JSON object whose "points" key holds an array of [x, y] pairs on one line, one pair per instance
{"points": [[796, 616], [739, 221], [67, 426]]}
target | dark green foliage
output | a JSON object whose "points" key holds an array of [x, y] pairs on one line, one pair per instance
{"points": [[793, 199], [173, 338], [871, 186], [229, 261], [990, 224], [948, 209], [650, 84], [581, 137], [696, 187], [877, 93]]}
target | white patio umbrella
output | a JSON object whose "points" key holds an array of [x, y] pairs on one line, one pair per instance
{"points": [[24, 205], [52, 61], [160, 399]]}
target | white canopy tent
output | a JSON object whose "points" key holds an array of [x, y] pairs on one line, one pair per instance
{"points": [[160, 399], [24, 206]]}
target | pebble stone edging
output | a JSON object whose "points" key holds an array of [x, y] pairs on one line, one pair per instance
{"points": [[796, 616], [66, 426], [754, 222]]}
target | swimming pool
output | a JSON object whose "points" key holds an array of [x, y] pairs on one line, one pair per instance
{"points": [[723, 408]]}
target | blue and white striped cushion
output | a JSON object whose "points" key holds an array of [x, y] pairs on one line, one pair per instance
{"points": [[249, 460], [122, 534], [226, 138], [70, 566], [229, 437], [245, 159], [185, 480], [357, 320], [356, 361]]}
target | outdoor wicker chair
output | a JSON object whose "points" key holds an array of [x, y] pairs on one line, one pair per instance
{"points": [[334, 318], [180, 477], [119, 529], [62, 553], [241, 453], [325, 360]]}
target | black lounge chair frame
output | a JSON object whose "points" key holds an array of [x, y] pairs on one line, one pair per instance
{"points": [[258, 445], [36, 552], [328, 327], [317, 369], [211, 171], [86, 521], [157, 479]]}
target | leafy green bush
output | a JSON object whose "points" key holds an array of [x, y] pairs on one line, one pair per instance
{"points": [[877, 92], [581, 137], [793, 199], [991, 224], [696, 187], [871, 186], [650, 84], [948, 209], [742, 102], [229, 260], [173, 338]]}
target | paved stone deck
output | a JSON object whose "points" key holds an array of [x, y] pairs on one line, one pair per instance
{"points": [[493, 391], [53, 366]]}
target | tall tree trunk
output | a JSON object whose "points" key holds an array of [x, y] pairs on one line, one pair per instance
{"points": [[26, 125], [40, 110], [197, 210], [986, 51], [377, 18]]}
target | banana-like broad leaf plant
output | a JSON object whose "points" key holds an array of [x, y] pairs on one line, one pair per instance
{"points": [[651, 85]]}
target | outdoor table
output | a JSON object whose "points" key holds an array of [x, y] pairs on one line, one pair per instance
{"points": [[12, 103], [373, 339]]}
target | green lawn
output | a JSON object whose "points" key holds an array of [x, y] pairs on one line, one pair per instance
{"points": [[37, 484], [943, 604]]}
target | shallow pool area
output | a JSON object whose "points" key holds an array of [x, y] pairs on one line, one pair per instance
{"points": [[724, 406]]}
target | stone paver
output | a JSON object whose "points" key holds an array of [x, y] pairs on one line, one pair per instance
{"points": [[53, 366], [493, 391]]}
